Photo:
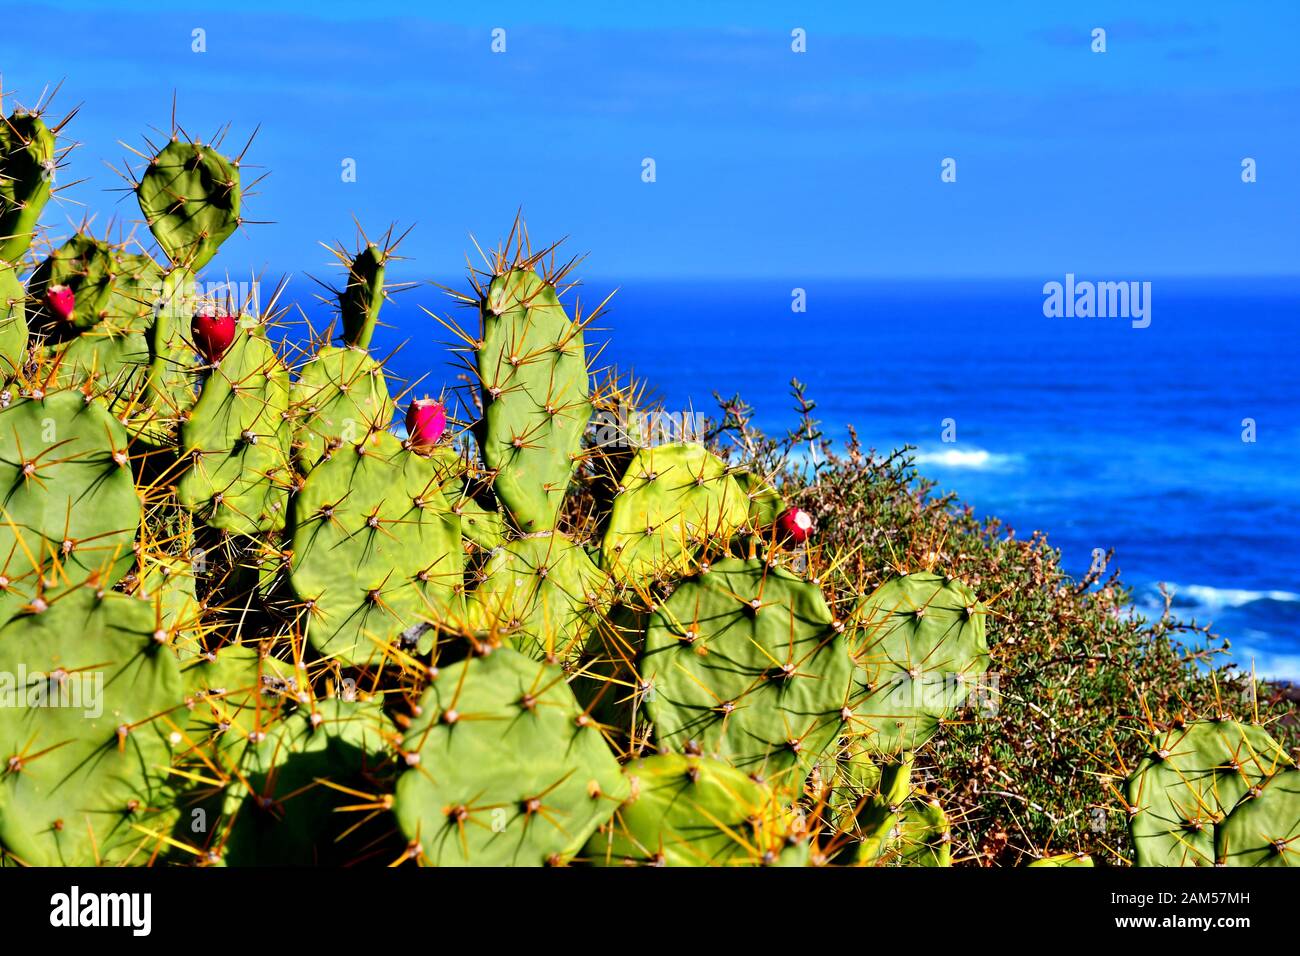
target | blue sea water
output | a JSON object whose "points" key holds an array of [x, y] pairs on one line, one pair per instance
{"points": [[1099, 433]]}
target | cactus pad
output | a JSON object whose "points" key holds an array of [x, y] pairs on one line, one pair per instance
{"points": [[920, 642], [281, 809], [896, 826], [543, 593], [1264, 828], [1059, 860], [189, 195], [532, 368], [26, 172], [84, 765], [671, 501], [690, 811], [13, 321], [361, 298], [505, 769], [340, 396], [88, 267], [70, 508], [236, 440], [747, 663], [375, 548], [1184, 788]]}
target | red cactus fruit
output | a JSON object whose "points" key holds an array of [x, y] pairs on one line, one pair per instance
{"points": [[426, 420], [212, 334], [795, 524], [61, 301]]}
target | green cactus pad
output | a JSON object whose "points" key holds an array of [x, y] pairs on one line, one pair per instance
{"points": [[1264, 827], [376, 549], [88, 267], [898, 827], [1189, 782], [70, 507], [505, 769], [80, 776], [236, 441], [361, 298], [168, 584], [917, 834], [111, 361], [13, 321], [281, 810], [543, 593], [764, 504], [848, 775], [532, 368], [170, 380], [746, 662], [920, 641], [690, 811], [190, 197], [339, 397], [26, 174], [219, 685], [673, 499], [111, 355], [483, 527]]}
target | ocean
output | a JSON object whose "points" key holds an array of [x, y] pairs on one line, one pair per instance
{"points": [[1102, 434]]}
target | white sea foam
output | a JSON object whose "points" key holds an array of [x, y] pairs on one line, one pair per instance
{"points": [[973, 459], [1211, 598], [1267, 665]]}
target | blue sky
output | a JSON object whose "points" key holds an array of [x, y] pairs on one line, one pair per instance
{"points": [[769, 163]]}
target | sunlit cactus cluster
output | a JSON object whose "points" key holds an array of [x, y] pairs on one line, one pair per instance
{"points": [[262, 605]]}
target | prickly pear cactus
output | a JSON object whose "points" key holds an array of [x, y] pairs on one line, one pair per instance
{"points": [[672, 500], [541, 593], [339, 397], [168, 584], [361, 298], [764, 503], [228, 699], [105, 345], [691, 811], [291, 787], [897, 826], [26, 176], [189, 194], [375, 547], [236, 441], [13, 321], [84, 689], [71, 510], [920, 640], [748, 664], [1263, 829], [1189, 782], [532, 367], [505, 768], [88, 267]]}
